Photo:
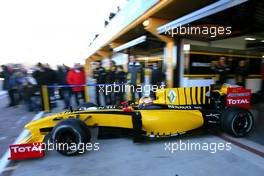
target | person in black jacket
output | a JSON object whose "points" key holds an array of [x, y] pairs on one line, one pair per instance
{"points": [[120, 79], [13, 88], [5, 74], [39, 75], [51, 80], [29, 93], [110, 79], [222, 70], [62, 80], [100, 75], [135, 76], [156, 75], [44, 75], [51, 75], [241, 73]]}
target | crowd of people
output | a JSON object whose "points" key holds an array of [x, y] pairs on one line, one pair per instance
{"points": [[16, 82], [222, 70], [24, 86], [104, 76], [64, 82], [134, 76]]}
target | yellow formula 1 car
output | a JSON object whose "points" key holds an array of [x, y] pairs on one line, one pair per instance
{"points": [[174, 111]]}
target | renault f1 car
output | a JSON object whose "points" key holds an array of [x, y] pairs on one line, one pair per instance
{"points": [[174, 111]]}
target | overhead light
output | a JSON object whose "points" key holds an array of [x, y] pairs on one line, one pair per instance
{"points": [[146, 23], [186, 47], [250, 39], [262, 56], [261, 40]]}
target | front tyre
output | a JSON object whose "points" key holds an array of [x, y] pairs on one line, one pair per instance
{"points": [[236, 121], [70, 136]]}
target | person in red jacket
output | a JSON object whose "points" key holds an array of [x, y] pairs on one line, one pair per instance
{"points": [[76, 77]]}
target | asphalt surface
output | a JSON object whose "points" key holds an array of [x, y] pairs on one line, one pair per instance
{"points": [[257, 134], [12, 122], [123, 157]]}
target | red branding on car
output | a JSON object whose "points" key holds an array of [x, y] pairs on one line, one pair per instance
{"points": [[238, 96], [24, 151]]}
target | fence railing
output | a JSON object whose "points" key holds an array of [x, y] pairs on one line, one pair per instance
{"points": [[127, 89], [46, 105]]}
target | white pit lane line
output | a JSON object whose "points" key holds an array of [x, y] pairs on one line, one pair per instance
{"points": [[4, 160], [3, 94]]}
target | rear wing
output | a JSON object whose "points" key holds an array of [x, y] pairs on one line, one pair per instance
{"points": [[239, 97]]}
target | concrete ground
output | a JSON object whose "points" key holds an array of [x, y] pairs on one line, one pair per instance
{"points": [[123, 157], [258, 132], [12, 122]]}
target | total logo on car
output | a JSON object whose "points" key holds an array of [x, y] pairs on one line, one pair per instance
{"points": [[239, 101], [20, 151]]}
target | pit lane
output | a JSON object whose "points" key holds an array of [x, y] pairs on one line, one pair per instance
{"points": [[123, 157]]}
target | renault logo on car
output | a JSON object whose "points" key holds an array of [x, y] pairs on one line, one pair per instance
{"points": [[172, 96]]}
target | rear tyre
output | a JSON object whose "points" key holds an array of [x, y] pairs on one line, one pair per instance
{"points": [[236, 121], [70, 137]]}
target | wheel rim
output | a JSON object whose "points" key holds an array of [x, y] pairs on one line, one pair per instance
{"points": [[242, 123], [68, 139]]}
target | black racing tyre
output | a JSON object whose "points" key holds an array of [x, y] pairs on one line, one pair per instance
{"points": [[70, 137], [236, 121], [47, 138]]}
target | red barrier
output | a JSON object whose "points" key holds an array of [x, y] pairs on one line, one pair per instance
{"points": [[239, 97]]}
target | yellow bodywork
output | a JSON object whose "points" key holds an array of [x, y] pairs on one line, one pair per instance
{"points": [[162, 122], [91, 118], [223, 90], [156, 122], [170, 122]]}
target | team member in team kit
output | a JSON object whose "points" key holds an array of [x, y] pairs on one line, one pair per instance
{"points": [[134, 75], [99, 74], [221, 70]]}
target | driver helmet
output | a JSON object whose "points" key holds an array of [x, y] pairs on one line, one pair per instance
{"points": [[144, 101]]}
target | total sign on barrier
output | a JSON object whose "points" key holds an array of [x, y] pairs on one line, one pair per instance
{"points": [[239, 97]]}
